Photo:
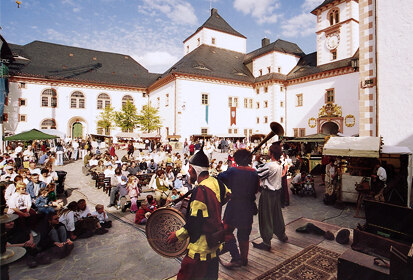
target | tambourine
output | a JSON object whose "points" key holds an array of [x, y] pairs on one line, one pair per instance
{"points": [[160, 223]]}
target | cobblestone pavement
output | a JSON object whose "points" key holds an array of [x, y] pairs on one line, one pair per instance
{"points": [[124, 253]]}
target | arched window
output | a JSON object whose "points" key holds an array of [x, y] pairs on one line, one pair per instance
{"points": [[334, 16], [48, 124], [127, 98], [49, 98], [103, 101], [77, 100]]}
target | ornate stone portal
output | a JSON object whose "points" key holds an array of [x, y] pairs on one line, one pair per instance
{"points": [[330, 113]]}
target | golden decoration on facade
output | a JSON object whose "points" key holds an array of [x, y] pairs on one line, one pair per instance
{"points": [[350, 121], [330, 110], [312, 122]]}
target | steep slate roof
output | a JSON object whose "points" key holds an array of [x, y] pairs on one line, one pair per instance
{"points": [[279, 45], [271, 76], [307, 65], [326, 2], [216, 22], [213, 62], [53, 61]]}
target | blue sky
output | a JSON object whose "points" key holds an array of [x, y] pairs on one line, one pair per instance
{"points": [[152, 31]]}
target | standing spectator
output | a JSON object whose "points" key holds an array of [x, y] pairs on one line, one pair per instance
{"points": [[112, 150], [191, 148], [133, 192], [75, 146], [59, 154], [131, 149], [270, 216]]}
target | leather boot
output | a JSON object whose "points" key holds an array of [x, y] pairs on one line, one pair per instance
{"points": [[244, 247]]}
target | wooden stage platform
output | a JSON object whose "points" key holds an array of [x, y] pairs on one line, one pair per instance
{"points": [[260, 261]]}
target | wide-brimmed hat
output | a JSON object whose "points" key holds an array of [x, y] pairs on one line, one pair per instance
{"points": [[8, 218], [199, 158], [12, 254]]}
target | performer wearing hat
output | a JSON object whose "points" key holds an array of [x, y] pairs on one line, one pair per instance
{"points": [[270, 217], [203, 223]]}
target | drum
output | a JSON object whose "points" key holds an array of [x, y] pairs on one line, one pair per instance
{"points": [[162, 222]]}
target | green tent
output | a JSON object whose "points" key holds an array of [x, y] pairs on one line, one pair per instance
{"points": [[33, 134]]}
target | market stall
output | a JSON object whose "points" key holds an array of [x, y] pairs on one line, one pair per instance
{"points": [[358, 156]]}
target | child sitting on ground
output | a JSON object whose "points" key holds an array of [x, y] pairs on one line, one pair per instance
{"points": [[56, 203], [175, 194], [102, 216], [42, 203], [148, 206]]}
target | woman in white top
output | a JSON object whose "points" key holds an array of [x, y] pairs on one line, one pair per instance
{"points": [[68, 219]]}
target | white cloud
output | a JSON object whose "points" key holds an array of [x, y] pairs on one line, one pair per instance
{"points": [[310, 5], [262, 10], [76, 10], [300, 25], [156, 61], [178, 11]]}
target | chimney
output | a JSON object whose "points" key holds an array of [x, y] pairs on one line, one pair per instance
{"points": [[265, 42], [214, 11]]}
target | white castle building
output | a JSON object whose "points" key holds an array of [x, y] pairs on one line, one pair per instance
{"points": [[217, 88]]}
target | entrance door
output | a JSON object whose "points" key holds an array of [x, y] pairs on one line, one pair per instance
{"points": [[77, 131], [329, 128]]}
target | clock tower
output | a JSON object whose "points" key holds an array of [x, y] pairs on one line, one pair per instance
{"points": [[337, 30]]}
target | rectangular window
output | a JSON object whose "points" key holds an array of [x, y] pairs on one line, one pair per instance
{"points": [[265, 89], [258, 105], [81, 103], [258, 120], [265, 119], [204, 131], [22, 85], [281, 104], [302, 132], [204, 99], [245, 131], [167, 100], [107, 103], [199, 41], [329, 95], [100, 104], [45, 101], [53, 102], [245, 102], [281, 88], [73, 103], [260, 72], [299, 100], [187, 49], [281, 119], [229, 130], [257, 91], [334, 55], [235, 130], [22, 102], [229, 101], [295, 132], [213, 40], [250, 131], [251, 103], [265, 104], [236, 102], [22, 118], [158, 102], [279, 69], [269, 69]]}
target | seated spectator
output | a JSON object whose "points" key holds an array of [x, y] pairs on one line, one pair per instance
{"points": [[134, 169], [109, 172], [32, 168], [175, 194], [53, 236], [120, 188], [11, 188], [68, 219], [161, 187], [34, 186], [99, 168], [8, 172], [86, 222], [143, 166], [22, 237], [44, 158], [45, 177], [56, 203], [152, 167], [102, 216], [20, 202], [124, 170], [42, 203], [144, 211], [93, 162]]}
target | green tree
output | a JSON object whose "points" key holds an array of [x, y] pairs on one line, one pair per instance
{"points": [[149, 119], [127, 118], [106, 119]]}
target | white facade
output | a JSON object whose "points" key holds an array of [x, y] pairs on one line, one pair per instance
{"points": [[274, 62], [217, 39], [314, 98], [394, 69], [34, 114]]}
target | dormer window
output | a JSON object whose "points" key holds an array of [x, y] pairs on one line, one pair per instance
{"points": [[269, 69], [260, 72], [213, 40], [334, 16]]}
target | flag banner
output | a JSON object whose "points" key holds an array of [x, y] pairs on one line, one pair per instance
{"points": [[206, 113], [233, 116]]}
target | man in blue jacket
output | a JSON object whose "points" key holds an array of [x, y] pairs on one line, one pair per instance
{"points": [[34, 186]]}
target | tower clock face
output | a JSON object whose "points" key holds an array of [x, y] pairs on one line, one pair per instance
{"points": [[332, 41]]}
